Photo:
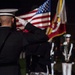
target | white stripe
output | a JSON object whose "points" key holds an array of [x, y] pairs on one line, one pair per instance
{"points": [[26, 16], [38, 25], [30, 15], [42, 24], [44, 14], [40, 20]]}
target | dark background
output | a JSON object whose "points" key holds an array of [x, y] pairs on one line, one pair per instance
{"points": [[70, 8], [24, 6]]}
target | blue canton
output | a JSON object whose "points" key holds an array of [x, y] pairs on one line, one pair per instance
{"points": [[45, 7]]}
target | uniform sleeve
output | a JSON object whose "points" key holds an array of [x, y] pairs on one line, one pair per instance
{"points": [[73, 52], [35, 34], [22, 37]]}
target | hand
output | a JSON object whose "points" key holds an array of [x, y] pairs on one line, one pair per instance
{"points": [[52, 53], [65, 43], [63, 53], [72, 63], [69, 56], [23, 22], [54, 62]]}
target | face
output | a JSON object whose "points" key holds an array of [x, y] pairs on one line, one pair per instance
{"points": [[67, 39]]}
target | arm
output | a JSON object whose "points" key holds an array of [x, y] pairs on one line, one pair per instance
{"points": [[35, 34]]}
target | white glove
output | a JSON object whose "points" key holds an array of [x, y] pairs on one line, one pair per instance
{"points": [[64, 54], [54, 62], [51, 53], [23, 22], [65, 43], [72, 63], [69, 56]]}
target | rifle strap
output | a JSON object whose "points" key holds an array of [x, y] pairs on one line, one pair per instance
{"points": [[4, 40]]}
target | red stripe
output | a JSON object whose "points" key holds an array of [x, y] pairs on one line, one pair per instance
{"points": [[27, 18], [19, 25], [47, 16]]}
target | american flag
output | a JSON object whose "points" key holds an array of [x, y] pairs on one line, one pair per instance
{"points": [[39, 17]]}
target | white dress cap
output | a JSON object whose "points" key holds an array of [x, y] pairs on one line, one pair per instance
{"points": [[67, 35], [9, 12]]}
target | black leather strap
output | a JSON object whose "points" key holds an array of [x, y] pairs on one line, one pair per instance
{"points": [[4, 40]]}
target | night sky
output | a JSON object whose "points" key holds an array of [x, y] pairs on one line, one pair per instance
{"points": [[25, 6]]}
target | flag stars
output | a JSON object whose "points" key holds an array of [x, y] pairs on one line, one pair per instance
{"points": [[44, 8]]}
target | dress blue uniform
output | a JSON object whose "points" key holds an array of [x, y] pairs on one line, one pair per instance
{"points": [[40, 57], [14, 44], [67, 55], [53, 54]]}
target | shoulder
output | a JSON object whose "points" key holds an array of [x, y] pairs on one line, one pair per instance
{"points": [[17, 32]]}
